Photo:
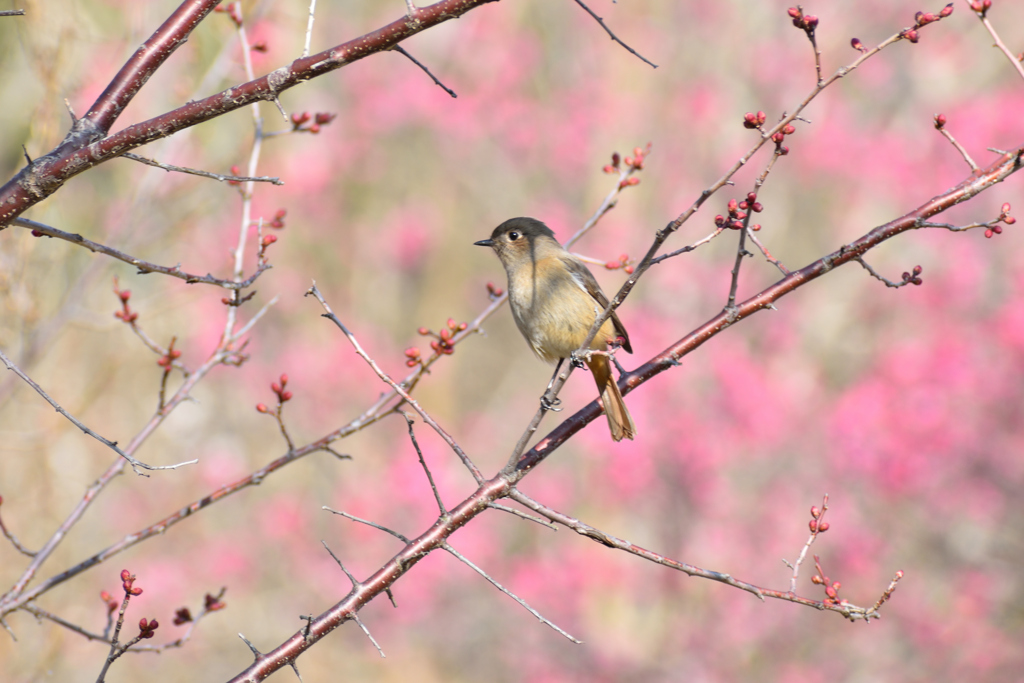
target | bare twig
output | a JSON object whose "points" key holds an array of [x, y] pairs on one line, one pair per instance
{"points": [[767, 254], [136, 464], [520, 513], [309, 27], [1017, 65], [960, 148], [367, 522], [12, 13], [507, 592], [142, 266], [613, 36], [423, 464], [401, 50], [203, 174], [14, 539], [394, 385]]}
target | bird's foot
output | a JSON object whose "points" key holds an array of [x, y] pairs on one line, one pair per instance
{"points": [[550, 403]]}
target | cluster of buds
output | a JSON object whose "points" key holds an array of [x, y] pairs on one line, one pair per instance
{"points": [[493, 292], [182, 616], [232, 11], [925, 18], [806, 22], [624, 262], [147, 629], [283, 395], [172, 354], [266, 242], [738, 213], [831, 587], [980, 6], [321, 118], [754, 121], [817, 526], [278, 221], [1005, 217], [109, 601], [127, 579], [126, 313], [442, 342], [940, 121], [632, 164], [914, 276], [212, 603], [780, 136]]}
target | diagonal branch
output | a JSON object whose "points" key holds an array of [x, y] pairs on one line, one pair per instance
{"points": [[86, 146], [143, 266], [136, 464]]}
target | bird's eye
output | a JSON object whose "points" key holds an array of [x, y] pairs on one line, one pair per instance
{"points": [[513, 236]]}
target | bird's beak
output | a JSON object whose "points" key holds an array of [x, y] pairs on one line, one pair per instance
{"points": [[484, 243]]}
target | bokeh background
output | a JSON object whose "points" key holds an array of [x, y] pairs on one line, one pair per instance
{"points": [[903, 405]]}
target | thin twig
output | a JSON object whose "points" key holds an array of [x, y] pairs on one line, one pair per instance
{"points": [[423, 464], [203, 174], [309, 28], [613, 36], [959, 148], [520, 513], [1017, 65], [12, 13], [367, 522], [394, 385], [795, 566], [506, 591], [881, 278], [14, 540], [401, 50], [142, 266], [136, 464]]}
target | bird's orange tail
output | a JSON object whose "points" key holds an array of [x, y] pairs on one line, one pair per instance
{"points": [[619, 420]]}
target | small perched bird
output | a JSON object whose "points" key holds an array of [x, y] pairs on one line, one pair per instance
{"points": [[555, 301]]}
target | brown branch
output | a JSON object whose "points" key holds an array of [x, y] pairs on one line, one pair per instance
{"points": [[1002, 168], [86, 146], [142, 266]]}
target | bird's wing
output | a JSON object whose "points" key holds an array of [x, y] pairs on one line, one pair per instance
{"points": [[582, 275]]}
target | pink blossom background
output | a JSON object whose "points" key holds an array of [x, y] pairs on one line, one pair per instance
{"points": [[903, 405]]}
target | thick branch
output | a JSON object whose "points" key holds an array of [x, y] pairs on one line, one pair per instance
{"points": [[46, 175]]}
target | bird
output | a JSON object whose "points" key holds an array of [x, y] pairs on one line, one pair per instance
{"points": [[555, 300]]}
